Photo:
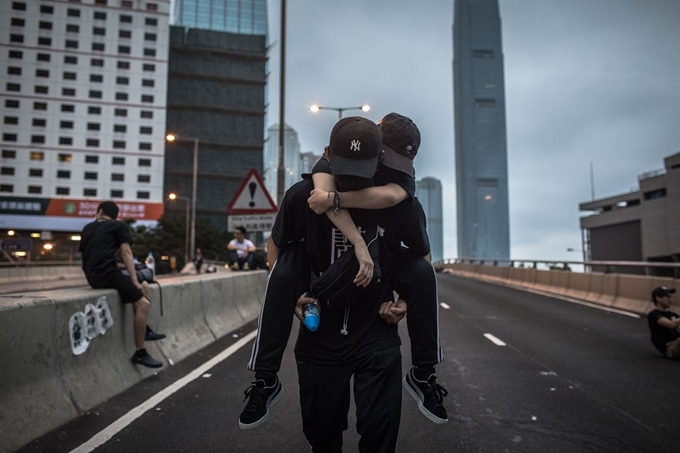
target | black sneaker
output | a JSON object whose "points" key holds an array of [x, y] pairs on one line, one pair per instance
{"points": [[260, 399], [146, 360], [429, 395], [150, 335]]}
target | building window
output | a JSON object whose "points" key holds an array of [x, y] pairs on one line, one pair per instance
{"points": [[124, 49], [96, 78], [37, 155], [41, 89], [143, 195], [121, 96], [123, 65], [11, 120], [16, 38], [9, 137], [119, 144], [66, 124], [45, 25], [64, 158], [73, 12], [655, 194], [148, 83], [66, 141], [39, 122], [91, 159], [40, 106], [43, 41], [13, 70], [149, 36], [70, 75], [116, 194], [38, 139], [99, 31], [7, 171], [98, 47], [149, 52], [70, 59], [90, 175], [144, 146], [16, 54], [147, 98], [63, 191], [94, 110], [100, 2], [149, 67], [93, 126], [144, 162], [64, 174], [125, 19], [35, 172], [68, 91], [13, 86], [119, 128], [485, 103], [68, 108], [146, 114], [72, 28], [42, 73], [122, 80], [480, 53], [89, 192], [99, 15], [145, 130], [9, 154], [97, 62], [95, 94], [11, 103], [92, 143], [151, 21], [35, 189], [151, 6], [144, 178], [120, 112], [19, 6], [117, 177], [126, 3], [6, 188], [125, 34], [17, 22], [43, 57], [71, 44], [45, 9], [118, 160]]}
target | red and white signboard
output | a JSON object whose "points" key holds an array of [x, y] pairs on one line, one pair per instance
{"points": [[252, 207]]}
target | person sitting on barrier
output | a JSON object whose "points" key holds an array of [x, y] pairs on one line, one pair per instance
{"points": [[664, 324], [241, 256], [100, 240]]}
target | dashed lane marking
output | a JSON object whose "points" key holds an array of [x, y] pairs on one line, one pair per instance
{"points": [[494, 340], [444, 306]]}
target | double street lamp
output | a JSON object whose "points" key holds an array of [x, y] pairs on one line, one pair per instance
{"points": [[315, 109], [173, 197], [192, 239]]}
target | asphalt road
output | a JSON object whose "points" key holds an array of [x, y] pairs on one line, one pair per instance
{"points": [[569, 378]]}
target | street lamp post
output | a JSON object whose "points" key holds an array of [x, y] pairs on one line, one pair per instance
{"points": [[315, 109], [194, 182], [174, 197]]}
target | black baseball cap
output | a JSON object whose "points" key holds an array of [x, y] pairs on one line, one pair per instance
{"points": [[355, 147], [401, 140], [662, 291]]}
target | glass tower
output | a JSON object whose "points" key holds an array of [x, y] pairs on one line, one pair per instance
{"points": [[479, 112], [244, 17], [429, 192]]}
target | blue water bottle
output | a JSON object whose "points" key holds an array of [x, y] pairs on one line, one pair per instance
{"points": [[310, 317]]}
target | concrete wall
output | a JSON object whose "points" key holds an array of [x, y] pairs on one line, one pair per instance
{"points": [[43, 384], [625, 292]]}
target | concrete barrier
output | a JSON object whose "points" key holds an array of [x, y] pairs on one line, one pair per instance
{"points": [[634, 293], [579, 285], [10, 274], [43, 384], [559, 282]]}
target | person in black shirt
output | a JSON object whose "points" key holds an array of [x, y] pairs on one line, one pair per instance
{"points": [[100, 240], [664, 324]]}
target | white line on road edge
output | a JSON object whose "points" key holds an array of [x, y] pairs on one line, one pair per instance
{"points": [[103, 436], [444, 306], [494, 340]]}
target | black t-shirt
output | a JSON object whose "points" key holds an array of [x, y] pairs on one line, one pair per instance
{"points": [[661, 335], [366, 331], [100, 240], [383, 176]]}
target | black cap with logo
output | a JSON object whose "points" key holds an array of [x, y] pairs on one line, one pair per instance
{"points": [[662, 291], [401, 140], [354, 148]]}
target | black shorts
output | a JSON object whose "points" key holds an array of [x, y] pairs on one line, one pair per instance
{"points": [[127, 290]]}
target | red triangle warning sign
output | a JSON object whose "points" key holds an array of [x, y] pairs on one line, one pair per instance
{"points": [[252, 197]]}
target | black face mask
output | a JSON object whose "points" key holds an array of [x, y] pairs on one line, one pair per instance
{"points": [[350, 183]]}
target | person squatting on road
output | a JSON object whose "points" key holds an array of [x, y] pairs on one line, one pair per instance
{"points": [[100, 240], [241, 256], [664, 324]]}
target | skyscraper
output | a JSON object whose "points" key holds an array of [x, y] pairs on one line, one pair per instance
{"points": [[481, 152], [429, 192], [244, 17], [291, 158]]}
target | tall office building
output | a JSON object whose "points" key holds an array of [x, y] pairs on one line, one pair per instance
{"points": [[243, 17], [307, 161], [429, 192], [479, 110], [83, 107], [217, 93], [291, 158]]}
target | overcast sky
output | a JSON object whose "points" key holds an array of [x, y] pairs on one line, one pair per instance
{"points": [[587, 81]]}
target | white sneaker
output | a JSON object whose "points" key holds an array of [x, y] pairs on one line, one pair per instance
{"points": [[246, 267]]}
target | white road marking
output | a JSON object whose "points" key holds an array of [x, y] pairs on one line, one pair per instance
{"points": [[494, 340], [444, 306], [103, 436]]}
